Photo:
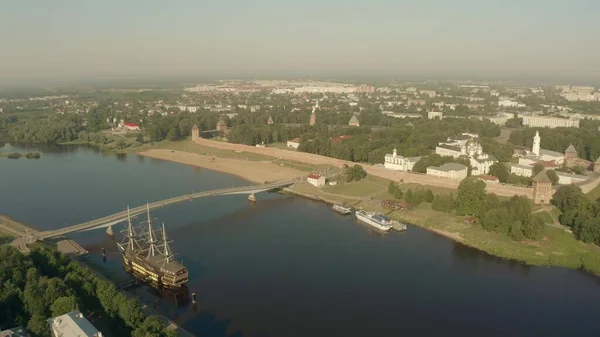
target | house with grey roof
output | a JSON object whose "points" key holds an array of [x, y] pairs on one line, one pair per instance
{"points": [[448, 171]]}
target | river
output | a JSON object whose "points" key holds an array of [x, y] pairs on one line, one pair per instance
{"points": [[291, 267]]}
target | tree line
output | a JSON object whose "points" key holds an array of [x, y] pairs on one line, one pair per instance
{"points": [[511, 217], [46, 284]]}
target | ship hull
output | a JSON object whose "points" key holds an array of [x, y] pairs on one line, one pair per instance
{"points": [[372, 223], [146, 273]]}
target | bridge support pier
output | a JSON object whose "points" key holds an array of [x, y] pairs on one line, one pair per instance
{"points": [[109, 231], [252, 197]]}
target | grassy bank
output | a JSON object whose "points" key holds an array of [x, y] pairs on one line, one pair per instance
{"points": [[557, 248]]}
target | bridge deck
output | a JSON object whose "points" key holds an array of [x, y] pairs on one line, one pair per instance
{"points": [[122, 216]]}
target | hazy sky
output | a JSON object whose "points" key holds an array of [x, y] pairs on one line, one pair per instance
{"points": [[126, 38]]}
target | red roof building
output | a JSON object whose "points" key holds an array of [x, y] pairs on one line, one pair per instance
{"points": [[131, 126], [488, 179]]}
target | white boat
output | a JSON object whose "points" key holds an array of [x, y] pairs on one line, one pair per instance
{"points": [[341, 209], [376, 220]]}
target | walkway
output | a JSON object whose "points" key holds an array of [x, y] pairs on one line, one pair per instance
{"points": [[123, 215]]}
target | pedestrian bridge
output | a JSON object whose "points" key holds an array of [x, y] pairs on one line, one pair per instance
{"points": [[123, 215]]}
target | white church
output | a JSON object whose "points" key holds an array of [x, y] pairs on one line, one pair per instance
{"points": [[398, 163], [465, 145], [525, 166]]}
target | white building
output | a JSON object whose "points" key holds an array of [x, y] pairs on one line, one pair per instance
{"points": [[72, 324], [522, 170], [435, 114], [294, 143], [466, 146], [525, 166], [316, 180], [448, 170], [508, 103], [430, 93], [404, 115], [550, 122], [568, 178], [395, 162]]}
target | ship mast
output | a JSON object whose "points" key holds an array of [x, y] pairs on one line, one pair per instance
{"points": [[130, 233], [151, 240], [167, 250]]}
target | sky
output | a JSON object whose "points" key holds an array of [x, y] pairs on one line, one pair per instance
{"points": [[90, 39]]}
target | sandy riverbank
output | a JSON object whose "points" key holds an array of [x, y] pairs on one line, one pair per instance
{"points": [[255, 171], [378, 171]]}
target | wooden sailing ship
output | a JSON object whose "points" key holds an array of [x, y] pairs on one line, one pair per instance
{"points": [[148, 256]]}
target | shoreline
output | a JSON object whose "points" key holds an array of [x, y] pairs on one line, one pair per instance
{"points": [[456, 237]]}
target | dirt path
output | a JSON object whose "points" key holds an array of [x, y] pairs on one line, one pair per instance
{"points": [[379, 171]]}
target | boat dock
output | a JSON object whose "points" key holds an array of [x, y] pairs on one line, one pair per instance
{"points": [[70, 248]]}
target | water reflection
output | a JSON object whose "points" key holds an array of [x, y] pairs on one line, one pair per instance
{"points": [[476, 258]]}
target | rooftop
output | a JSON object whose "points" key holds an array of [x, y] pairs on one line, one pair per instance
{"points": [[295, 140], [542, 178], [314, 176], [551, 153], [14, 332], [449, 167], [571, 149], [576, 176], [73, 324]]}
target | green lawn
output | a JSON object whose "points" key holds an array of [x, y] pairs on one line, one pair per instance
{"points": [[545, 217], [366, 187]]}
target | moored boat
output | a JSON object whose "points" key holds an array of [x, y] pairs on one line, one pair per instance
{"points": [[148, 256], [342, 209], [376, 220]]}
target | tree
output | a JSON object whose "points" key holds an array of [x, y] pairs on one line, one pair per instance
{"points": [[567, 197], [471, 196], [533, 228], [408, 196], [398, 194], [552, 176], [173, 133], [121, 144], [515, 232], [513, 123], [392, 187], [537, 168], [355, 173], [444, 203], [519, 208], [64, 305], [39, 326], [500, 171], [497, 220], [139, 139], [429, 196]]}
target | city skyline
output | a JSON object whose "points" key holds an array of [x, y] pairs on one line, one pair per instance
{"points": [[74, 40]]}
